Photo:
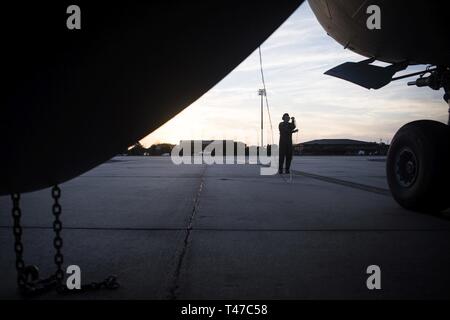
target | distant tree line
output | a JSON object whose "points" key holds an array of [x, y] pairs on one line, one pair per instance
{"points": [[154, 150], [326, 147]]}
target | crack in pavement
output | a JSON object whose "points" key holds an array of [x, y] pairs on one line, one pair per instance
{"points": [[175, 284]]}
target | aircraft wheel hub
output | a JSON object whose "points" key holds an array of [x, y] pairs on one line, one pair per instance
{"points": [[406, 168]]}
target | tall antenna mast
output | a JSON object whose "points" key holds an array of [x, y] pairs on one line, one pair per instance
{"points": [[262, 93]]}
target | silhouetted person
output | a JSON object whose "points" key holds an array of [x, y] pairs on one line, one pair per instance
{"points": [[286, 129]]}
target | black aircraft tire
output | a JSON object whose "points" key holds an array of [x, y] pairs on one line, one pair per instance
{"points": [[418, 166]]}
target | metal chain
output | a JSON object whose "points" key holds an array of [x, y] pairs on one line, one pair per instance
{"points": [[109, 283], [18, 245], [57, 241], [28, 276]]}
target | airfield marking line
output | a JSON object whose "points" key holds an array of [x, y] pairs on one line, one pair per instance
{"points": [[345, 183]]}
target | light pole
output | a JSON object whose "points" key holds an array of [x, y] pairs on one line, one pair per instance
{"points": [[262, 93]]}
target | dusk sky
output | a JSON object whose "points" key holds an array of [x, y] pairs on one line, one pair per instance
{"points": [[295, 58]]}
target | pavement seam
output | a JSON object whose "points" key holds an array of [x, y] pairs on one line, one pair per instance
{"points": [[173, 291], [238, 229]]}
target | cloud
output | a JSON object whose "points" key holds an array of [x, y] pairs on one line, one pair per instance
{"points": [[295, 58]]}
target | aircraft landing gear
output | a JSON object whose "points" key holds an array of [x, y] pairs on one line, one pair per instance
{"points": [[417, 166], [418, 162]]}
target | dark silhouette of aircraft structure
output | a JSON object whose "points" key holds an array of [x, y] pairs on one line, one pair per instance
{"points": [[407, 33], [75, 97], [77, 94]]}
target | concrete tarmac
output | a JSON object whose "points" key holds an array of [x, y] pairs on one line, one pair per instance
{"points": [[225, 232]]}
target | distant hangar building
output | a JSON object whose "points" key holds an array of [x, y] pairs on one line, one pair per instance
{"points": [[236, 145], [340, 147]]}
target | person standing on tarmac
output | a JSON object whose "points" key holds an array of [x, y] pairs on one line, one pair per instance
{"points": [[286, 130]]}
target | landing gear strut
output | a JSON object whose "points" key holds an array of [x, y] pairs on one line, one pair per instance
{"points": [[447, 99], [418, 163]]}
